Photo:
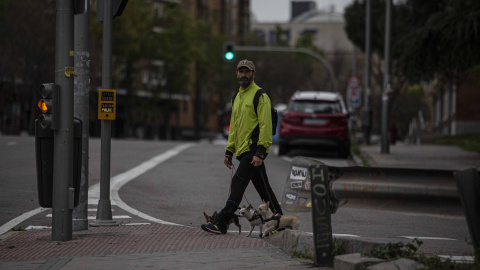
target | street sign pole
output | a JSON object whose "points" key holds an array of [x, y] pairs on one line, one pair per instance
{"points": [[62, 203], [366, 112], [104, 210], [387, 81]]}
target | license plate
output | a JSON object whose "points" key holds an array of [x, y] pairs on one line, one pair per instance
{"points": [[309, 121]]}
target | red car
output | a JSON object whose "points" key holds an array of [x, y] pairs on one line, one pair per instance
{"points": [[315, 119]]}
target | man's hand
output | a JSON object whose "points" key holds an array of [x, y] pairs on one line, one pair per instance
{"points": [[256, 161], [228, 161]]}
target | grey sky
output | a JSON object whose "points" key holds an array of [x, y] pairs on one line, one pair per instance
{"points": [[279, 10]]}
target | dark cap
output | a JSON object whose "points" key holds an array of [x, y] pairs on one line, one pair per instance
{"points": [[246, 63]]}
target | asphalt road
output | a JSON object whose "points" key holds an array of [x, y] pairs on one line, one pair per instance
{"points": [[180, 189]]}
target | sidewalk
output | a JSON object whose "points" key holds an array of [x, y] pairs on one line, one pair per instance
{"points": [[180, 247], [142, 246], [421, 157]]}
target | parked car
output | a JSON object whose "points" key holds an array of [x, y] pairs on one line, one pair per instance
{"points": [[315, 119]]}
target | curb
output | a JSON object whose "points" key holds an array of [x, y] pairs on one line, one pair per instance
{"points": [[301, 243]]}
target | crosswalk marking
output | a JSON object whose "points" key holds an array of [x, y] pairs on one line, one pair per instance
{"points": [[94, 217], [31, 228]]}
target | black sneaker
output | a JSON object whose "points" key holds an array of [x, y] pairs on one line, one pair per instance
{"points": [[212, 228]]}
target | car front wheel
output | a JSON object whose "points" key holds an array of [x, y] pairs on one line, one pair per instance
{"points": [[344, 150]]}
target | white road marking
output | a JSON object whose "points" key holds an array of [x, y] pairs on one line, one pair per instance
{"points": [[94, 217], [14, 222], [95, 210], [464, 259], [31, 228], [337, 234], [427, 238], [94, 201], [116, 183]]}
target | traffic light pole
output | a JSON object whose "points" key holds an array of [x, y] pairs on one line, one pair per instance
{"points": [[104, 210], [62, 203], [81, 110]]}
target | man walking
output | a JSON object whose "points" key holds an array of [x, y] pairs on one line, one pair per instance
{"points": [[249, 138]]}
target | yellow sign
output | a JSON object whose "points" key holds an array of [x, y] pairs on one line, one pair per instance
{"points": [[107, 99], [70, 71]]}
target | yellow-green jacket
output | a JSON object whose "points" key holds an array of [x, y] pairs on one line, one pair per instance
{"points": [[249, 132]]}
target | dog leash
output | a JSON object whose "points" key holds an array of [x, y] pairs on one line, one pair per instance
{"points": [[231, 179], [264, 183], [266, 189]]}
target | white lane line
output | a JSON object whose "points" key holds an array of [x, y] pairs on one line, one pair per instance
{"points": [[337, 234], [119, 181], [14, 222], [427, 238], [461, 259], [94, 217], [95, 210]]}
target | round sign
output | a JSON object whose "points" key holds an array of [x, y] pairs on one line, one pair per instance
{"points": [[353, 82]]}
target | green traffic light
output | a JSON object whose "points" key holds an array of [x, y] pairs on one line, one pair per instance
{"points": [[229, 56]]}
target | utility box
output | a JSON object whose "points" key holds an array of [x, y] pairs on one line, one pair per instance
{"points": [[44, 143]]}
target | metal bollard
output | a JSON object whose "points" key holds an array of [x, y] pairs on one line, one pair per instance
{"points": [[321, 217], [307, 189]]}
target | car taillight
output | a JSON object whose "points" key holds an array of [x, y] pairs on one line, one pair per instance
{"points": [[339, 122], [228, 127]]}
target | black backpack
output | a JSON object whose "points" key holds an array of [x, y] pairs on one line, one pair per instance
{"points": [[255, 105]]}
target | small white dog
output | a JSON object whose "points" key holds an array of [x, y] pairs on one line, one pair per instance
{"points": [[274, 224], [252, 216]]}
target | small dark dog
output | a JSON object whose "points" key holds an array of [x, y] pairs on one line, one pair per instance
{"points": [[234, 220]]}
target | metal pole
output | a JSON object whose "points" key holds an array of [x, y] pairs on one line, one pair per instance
{"points": [[298, 50], [104, 210], [366, 115], [386, 80], [63, 140], [81, 110], [354, 62]]}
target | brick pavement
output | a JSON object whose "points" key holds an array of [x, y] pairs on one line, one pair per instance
{"points": [[141, 246]]}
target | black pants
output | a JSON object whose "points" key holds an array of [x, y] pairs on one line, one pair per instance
{"points": [[246, 172]]}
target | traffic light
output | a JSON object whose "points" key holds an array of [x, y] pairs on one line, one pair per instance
{"points": [[229, 50], [48, 104]]}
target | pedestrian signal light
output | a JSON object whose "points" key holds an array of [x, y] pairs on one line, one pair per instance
{"points": [[229, 50], [49, 93]]}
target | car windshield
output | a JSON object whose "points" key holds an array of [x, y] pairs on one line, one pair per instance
{"points": [[315, 106]]}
